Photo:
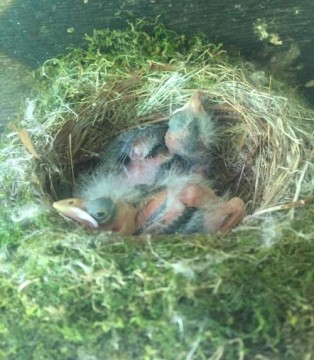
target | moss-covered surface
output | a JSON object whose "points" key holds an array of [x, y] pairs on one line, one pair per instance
{"points": [[74, 297], [67, 293]]}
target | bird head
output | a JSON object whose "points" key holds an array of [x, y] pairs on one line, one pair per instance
{"points": [[190, 130], [90, 213], [185, 127], [103, 210]]}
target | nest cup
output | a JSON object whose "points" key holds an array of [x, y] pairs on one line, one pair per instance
{"points": [[262, 138], [242, 295], [259, 150]]}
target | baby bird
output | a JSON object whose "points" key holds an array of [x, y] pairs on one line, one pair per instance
{"points": [[105, 197], [100, 214], [152, 181], [191, 134], [188, 205], [176, 202], [103, 202], [138, 154]]}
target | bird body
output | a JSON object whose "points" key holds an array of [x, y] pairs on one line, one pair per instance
{"points": [[137, 155], [225, 217], [153, 180], [189, 207], [191, 134], [121, 216], [108, 199], [185, 205]]}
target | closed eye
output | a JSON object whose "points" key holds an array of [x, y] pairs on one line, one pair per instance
{"points": [[100, 214]]}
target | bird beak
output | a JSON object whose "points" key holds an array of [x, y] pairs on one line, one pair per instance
{"points": [[75, 209], [195, 104]]}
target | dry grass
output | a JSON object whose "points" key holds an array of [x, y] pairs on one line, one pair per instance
{"points": [[69, 293], [262, 138], [264, 133]]}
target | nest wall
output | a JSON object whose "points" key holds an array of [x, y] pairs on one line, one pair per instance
{"points": [[263, 139], [260, 149], [72, 293]]}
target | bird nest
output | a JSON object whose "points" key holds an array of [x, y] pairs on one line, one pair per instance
{"points": [[262, 142], [101, 295]]}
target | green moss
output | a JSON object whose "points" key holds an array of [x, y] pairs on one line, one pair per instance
{"points": [[9, 232], [158, 300], [66, 293], [109, 54]]}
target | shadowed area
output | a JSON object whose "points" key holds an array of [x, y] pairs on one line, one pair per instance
{"points": [[68, 292], [278, 34]]}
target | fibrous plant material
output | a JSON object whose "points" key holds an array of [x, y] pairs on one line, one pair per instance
{"points": [[71, 293], [88, 97]]}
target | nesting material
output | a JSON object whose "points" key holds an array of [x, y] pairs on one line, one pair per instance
{"points": [[263, 139], [245, 294]]}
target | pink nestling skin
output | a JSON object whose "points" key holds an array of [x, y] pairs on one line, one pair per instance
{"points": [[147, 154], [163, 209], [158, 213], [167, 206], [218, 215], [190, 131], [225, 217], [195, 195], [144, 170], [140, 149], [139, 153], [100, 214]]}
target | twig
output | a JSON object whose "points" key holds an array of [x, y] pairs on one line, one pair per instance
{"points": [[288, 206]]}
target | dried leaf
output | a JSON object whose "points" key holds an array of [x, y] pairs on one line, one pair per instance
{"points": [[26, 140]]}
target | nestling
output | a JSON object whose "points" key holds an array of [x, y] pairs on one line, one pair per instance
{"points": [[191, 134]]}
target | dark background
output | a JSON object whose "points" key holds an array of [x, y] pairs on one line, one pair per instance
{"points": [[32, 31]]}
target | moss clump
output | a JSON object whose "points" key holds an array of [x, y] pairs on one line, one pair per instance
{"points": [[71, 294]]}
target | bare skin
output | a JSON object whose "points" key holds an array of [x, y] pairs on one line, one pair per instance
{"points": [[139, 156], [190, 132], [162, 210], [123, 221], [226, 217]]}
